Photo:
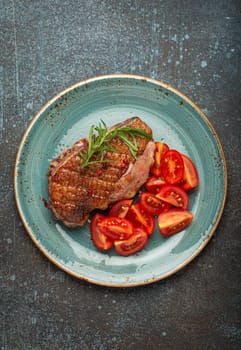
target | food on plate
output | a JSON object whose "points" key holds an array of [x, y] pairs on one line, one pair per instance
{"points": [[140, 218], [173, 195], [111, 165], [190, 176], [152, 204], [100, 240], [160, 150], [172, 167], [120, 208], [160, 203], [173, 221], [107, 171], [133, 244]]}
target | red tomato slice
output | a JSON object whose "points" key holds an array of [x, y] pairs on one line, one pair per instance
{"points": [[120, 208], [153, 184], [116, 228], [160, 150], [172, 167], [140, 218], [174, 221], [100, 240], [174, 195], [190, 177], [132, 245], [153, 205]]}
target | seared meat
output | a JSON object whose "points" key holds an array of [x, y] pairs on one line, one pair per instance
{"points": [[75, 191]]}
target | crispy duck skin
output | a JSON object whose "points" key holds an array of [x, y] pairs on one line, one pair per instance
{"points": [[74, 192]]}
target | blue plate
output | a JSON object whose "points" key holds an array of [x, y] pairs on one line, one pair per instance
{"points": [[66, 118]]}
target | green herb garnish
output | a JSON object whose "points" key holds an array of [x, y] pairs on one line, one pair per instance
{"points": [[99, 142]]}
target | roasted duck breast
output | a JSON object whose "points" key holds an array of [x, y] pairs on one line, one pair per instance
{"points": [[76, 190]]}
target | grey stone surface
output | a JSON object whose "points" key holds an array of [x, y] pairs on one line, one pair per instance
{"points": [[48, 45]]}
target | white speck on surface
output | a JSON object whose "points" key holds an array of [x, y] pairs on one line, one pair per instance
{"points": [[198, 83], [205, 111], [12, 277], [216, 45], [204, 64], [35, 294], [174, 37], [9, 241], [29, 105], [187, 36]]}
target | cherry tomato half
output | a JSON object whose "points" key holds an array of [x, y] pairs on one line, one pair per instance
{"points": [[190, 176], [153, 184], [153, 205], [134, 244], [120, 208], [160, 150], [172, 167], [140, 218], [100, 240], [173, 221], [174, 195], [116, 228]]}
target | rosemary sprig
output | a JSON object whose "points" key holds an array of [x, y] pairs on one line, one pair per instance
{"points": [[99, 142]]}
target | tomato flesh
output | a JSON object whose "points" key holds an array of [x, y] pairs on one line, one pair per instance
{"points": [[132, 245], [173, 221], [153, 205], [174, 195], [190, 176], [140, 218], [100, 240], [116, 228], [120, 208], [160, 150], [154, 184], [172, 167]]}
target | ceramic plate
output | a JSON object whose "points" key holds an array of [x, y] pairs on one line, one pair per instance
{"points": [[66, 118]]}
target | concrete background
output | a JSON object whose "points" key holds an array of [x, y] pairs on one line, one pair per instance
{"points": [[48, 45]]}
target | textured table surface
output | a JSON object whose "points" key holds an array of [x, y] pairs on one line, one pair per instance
{"points": [[48, 45]]}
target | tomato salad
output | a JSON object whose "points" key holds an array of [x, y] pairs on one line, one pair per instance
{"points": [[129, 225]]}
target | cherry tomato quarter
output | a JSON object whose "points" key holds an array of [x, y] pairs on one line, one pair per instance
{"points": [[132, 245], [173, 221], [120, 208], [100, 240], [190, 176], [174, 195], [172, 167], [116, 228], [160, 150], [153, 205], [140, 218], [154, 184]]}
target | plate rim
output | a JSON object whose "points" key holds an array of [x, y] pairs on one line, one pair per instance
{"points": [[88, 81]]}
